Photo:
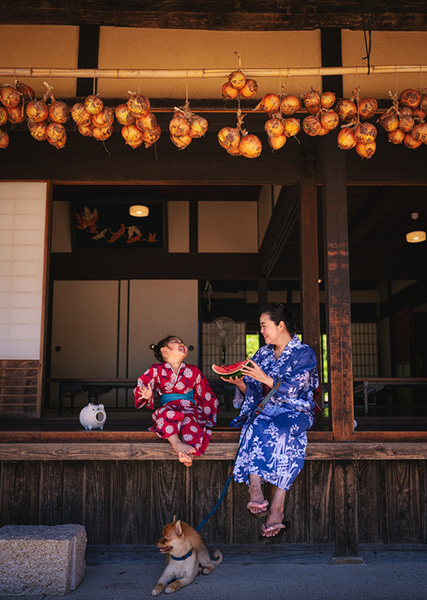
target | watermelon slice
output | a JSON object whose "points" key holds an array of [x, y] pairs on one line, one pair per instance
{"points": [[231, 370]]}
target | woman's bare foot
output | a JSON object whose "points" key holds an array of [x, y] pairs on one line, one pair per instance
{"points": [[257, 504], [184, 451], [277, 513]]}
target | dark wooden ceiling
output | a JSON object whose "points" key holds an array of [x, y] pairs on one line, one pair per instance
{"points": [[230, 15]]}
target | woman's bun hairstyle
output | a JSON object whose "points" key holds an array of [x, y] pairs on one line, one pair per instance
{"points": [[279, 312]]}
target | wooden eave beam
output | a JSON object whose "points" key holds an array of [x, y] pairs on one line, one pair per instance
{"points": [[227, 15], [409, 298], [282, 222]]}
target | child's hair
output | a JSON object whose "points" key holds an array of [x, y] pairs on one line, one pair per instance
{"points": [[156, 348], [279, 312]]}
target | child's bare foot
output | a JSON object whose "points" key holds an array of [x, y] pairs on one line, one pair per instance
{"points": [[184, 452]]}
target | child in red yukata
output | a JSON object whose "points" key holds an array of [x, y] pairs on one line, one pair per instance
{"points": [[188, 406]]}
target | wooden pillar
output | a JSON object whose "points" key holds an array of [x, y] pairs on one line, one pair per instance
{"points": [[337, 280], [262, 300], [309, 263], [345, 510]]}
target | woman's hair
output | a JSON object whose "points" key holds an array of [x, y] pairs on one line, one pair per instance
{"points": [[279, 312], [156, 348]]}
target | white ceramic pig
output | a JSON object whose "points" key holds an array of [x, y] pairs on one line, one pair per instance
{"points": [[93, 416]]}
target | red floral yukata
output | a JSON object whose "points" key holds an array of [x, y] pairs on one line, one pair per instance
{"points": [[192, 419]]}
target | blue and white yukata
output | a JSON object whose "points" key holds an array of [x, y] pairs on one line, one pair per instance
{"points": [[275, 443]]}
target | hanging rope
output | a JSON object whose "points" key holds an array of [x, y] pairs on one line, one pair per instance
{"points": [[367, 35]]}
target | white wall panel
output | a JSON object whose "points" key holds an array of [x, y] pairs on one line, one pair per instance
{"points": [[22, 239], [159, 308]]}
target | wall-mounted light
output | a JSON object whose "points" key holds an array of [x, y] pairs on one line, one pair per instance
{"points": [[415, 236], [139, 210]]}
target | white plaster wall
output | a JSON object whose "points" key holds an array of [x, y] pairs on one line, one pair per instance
{"points": [[138, 48], [228, 226], [41, 46], [179, 226], [158, 308], [22, 243], [388, 48]]}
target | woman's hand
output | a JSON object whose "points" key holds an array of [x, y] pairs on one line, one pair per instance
{"points": [[255, 371], [236, 381]]}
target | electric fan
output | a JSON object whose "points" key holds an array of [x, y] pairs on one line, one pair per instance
{"points": [[223, 332]]}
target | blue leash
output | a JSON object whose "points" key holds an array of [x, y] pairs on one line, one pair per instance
{"points": [[256, 412]]}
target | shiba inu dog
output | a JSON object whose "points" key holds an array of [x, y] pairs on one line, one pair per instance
{"points": [[185, 557]]}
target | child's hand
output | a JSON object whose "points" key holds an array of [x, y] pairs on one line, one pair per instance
{"points": [[145, 393]]}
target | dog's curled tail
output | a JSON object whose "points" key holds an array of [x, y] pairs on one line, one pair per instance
{"points": [[217, 557]]}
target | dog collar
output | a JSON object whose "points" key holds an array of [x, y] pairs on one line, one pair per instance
{"points": [[182, 557]]}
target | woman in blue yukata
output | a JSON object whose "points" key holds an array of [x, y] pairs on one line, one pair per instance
{"points": [[273, 448]]}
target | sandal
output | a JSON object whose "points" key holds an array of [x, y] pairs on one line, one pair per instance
{"points": [[262, 505], [270, 539]]}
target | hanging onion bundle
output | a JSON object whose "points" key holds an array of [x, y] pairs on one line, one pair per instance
{"points": [[80, 115], [291, 126], [346, 109], [327, 100], [229, 138], [389, 120], [410, 98], [365, 133], [16, 114], [58, 111], [37, 110], [404, 120], [93, 104], [270, 104], [249, 89], [396, 136], [139, 123], [123, 115], [3, 116], [329, 119], [411, 143], [37, 129], [250, 146], [346, 139], [311, 101], [138, 104], [277, 141], [367, 107], [290, 104], [132, 135], [238, 85], [311, 125], [274, 127], [10, 96], [4, 139], [366, 150], [186, 126]]}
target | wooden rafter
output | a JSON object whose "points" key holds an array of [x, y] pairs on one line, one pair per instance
{"points": [[227, 15]]}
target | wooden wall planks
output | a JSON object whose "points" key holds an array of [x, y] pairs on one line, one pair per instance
{"points": [[129, 502]]}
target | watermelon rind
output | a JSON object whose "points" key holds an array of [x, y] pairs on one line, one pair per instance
{"points": [[224, 370]]}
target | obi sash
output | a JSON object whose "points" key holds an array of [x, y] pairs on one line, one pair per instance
{"points": [[166, 398]]}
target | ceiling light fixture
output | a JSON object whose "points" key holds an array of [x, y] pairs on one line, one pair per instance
{"points": [[415, 236], [139, 210]]}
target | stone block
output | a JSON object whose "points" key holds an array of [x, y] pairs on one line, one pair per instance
{"points": [[41, 559]]}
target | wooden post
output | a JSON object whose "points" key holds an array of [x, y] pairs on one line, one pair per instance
{"points": [[262, 300], [337, 279], [309, 263], [345, 510]]}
